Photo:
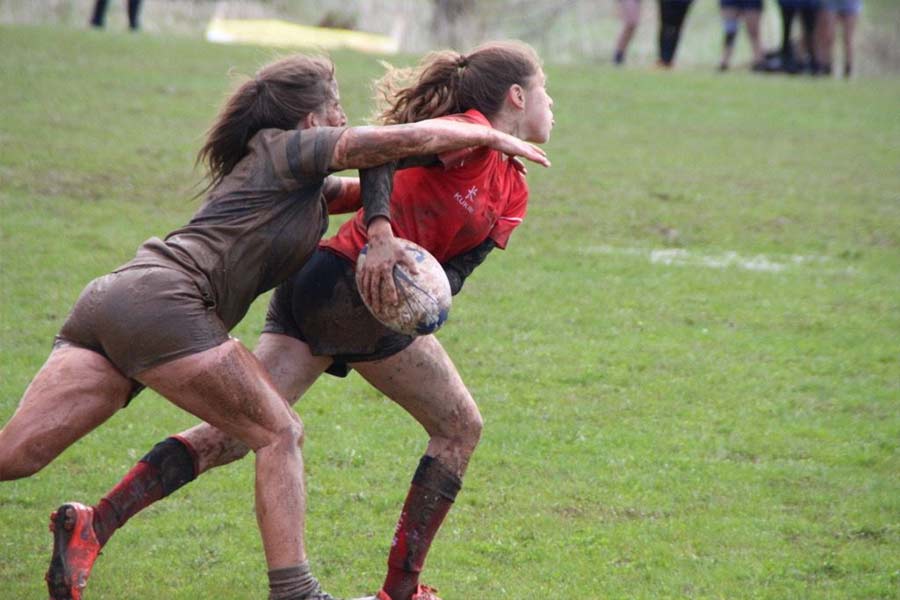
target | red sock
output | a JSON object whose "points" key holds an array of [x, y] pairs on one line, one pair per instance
{"points": [[433, 490], [137, 490], [167, 467]]}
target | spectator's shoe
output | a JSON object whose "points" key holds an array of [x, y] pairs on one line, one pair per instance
{"points": [[423, 592], [75, 548]]}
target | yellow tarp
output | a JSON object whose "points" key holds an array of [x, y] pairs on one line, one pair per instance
{"points": [[274, 32]]}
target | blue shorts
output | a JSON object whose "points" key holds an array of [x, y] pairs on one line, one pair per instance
{"points": [[741, 4], [846, 8]]}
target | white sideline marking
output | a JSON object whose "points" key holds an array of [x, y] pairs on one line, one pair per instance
{"points": [[680, 257]]}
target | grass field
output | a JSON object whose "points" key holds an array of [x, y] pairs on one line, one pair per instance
{"points": [[688, 360]]}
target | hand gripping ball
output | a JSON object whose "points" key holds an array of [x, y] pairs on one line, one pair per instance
{"points": [[423, 299]]}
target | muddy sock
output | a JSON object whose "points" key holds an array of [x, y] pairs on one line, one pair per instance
{"points": [[167, 467], [433, 490], [294, 583]]}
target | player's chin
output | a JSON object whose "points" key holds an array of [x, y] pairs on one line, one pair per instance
{"points": [[541, 137]]}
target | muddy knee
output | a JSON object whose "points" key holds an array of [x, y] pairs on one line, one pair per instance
{"points": [[287, 439], [471, 431], [456, 441]]}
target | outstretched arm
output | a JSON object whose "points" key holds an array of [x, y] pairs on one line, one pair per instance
{"points": [[361, 147]]}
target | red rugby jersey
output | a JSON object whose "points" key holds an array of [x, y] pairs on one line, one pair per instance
{"points": [[449, 208]]}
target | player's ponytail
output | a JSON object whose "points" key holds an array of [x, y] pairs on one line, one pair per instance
{"points": [[447, 82], [428, 91], [279, 96]]}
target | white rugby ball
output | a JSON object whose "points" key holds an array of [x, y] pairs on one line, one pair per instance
{"points": [[423, 299]]}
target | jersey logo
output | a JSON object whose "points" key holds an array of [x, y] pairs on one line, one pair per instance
{"points": [[467, 201]]}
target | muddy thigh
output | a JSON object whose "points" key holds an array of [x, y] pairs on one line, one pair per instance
{"points": [[424, 381], [75, 391], [228, 388], [292, 369]]}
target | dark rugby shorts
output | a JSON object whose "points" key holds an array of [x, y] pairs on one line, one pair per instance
{"points": [[320, 306], [143, 317]]}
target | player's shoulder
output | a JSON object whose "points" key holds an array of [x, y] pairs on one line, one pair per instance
{"points": [[470, 116]]}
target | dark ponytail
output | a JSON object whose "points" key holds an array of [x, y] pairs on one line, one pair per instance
{"points": [[447, 82], [280, 96]]}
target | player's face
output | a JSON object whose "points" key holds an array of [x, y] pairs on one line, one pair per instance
{"points": [[331, 114], [538, 118], [334, 115]]}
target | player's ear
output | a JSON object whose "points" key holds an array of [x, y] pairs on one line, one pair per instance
{"points": [[516, 96], [310, 120]]}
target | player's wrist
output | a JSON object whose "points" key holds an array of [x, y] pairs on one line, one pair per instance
{"points": [[379, 227]]}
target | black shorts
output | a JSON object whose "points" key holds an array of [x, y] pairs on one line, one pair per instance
{"points": [[320, 306], [741, 4], [142, 317]]}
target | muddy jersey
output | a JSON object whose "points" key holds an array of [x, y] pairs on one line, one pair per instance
{"points": [[257, 226], [452, 207]]}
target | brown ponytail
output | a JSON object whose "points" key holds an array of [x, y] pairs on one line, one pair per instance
{"points": [[447, 82], [280, 96]]}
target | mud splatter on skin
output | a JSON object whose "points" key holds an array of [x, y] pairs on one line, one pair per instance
{"points": [[214, 448], [362, 147], [423, 380], [228, 388]]}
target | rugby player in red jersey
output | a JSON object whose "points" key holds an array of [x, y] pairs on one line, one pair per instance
{"points": [[459, 206]]}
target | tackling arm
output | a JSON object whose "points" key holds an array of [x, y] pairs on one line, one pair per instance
{"points": [[362, 147]]}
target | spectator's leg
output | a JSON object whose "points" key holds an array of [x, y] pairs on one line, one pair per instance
{"points": [[631, 14], [134, 14], [672, 16], [809, 17], [825, 29], [787, 48], [848, 30], [99, 16], [730, 28], [752, 19]]}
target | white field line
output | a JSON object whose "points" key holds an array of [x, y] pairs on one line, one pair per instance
{"points": [[679, 257]]}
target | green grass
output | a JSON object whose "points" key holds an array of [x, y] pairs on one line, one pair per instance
{"points": [[696, 429]]}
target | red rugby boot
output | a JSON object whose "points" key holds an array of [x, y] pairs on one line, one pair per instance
{"points": [[423, 592], [75, 548]]}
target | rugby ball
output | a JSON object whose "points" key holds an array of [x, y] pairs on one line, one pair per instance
{"points": [[423, 299]]}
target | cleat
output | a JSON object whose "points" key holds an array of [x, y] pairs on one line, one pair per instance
{"points": [[75, 548], [423, 592]]}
